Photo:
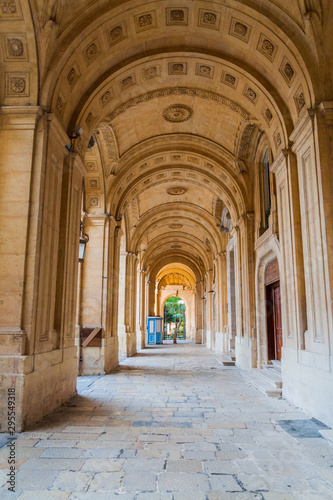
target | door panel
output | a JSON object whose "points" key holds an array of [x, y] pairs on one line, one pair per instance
{"points": [[277, 321]]}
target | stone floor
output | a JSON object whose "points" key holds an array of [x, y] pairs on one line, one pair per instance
{"points": [[172, 424]]}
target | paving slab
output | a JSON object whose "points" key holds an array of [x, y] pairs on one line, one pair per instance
{"points": [[173, 424]]}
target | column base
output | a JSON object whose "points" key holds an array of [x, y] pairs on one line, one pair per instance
{"points": [[246, 353], [100, 360], [221, 342], [42, 383], [307, 380]]}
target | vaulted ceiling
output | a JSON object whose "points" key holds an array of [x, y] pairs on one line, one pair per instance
{"points": [[177, 97]]}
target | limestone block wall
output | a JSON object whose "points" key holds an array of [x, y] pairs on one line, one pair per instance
{"points": [[37, 352]]}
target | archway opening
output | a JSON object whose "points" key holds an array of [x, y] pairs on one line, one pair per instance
{"points": [[174, 319]]}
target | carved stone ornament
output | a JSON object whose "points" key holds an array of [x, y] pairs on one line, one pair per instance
{"points": [[209, 19], [177, 113], [151, 72], [106, 97], [229, 79], [15, 47], [240, 30], [60, 106], [204, 70], [287, 71], [117, 33], [178, 190], [267, 47], [250, 94], [17, 85], [204, 94], [91, 52], [72, 77], [145, 20], [299, 100], [8, 7], [177, 16], [177, 68]]}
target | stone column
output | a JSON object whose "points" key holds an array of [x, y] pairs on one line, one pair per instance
{"points": [[210, 334], [246, 347], [151, 298], [306, 230], [40, 262], [222, 343], [96, 287], [291, 270], [130, 303], [142, 308], [199, 336]]}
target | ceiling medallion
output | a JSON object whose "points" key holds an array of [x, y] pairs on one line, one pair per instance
{"points": [[175, 246], [177, 113], [176, 190], [175, 226]]}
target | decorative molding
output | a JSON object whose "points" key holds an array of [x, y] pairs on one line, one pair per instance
{"points": [[287, 71], [176, 16], [127, 82], [229, 79], [10, 9], [176, 191], [177, 113], [94, 201], [240, 30], [277, 139], [117, 33], [299, 100], [202, 69], [15, 48], [17, 84], [91, 52], [73, 76], [205, 94], [251, 94], [151, 72], [267, 47], [177, 68], [145, 21], [209, 19], [268, 115], [61, 105], [106, 97], [91, 165], [244, 144]]}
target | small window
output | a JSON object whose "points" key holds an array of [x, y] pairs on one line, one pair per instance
{"points": [[267, 189]]}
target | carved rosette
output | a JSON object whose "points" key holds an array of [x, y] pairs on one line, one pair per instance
{"points": [[178, 190], [177, 113]]}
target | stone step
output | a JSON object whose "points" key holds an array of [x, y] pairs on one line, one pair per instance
{"points": [[262, 383], [272, 375], [276, 364], [228, 358]]}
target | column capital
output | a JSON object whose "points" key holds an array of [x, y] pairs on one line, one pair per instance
{"points": [[20, 117], [97, 219]]}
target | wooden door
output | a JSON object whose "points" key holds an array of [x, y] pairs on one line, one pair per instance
{"points": [[277, 319]]}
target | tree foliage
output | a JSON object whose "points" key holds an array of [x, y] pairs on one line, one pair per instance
{"points": [[174, 311]]}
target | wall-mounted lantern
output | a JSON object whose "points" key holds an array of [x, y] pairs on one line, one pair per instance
{"points": [[84, 238]]}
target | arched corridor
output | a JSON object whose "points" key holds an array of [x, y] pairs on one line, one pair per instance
{"points": [[173, 423], [185, 151]]}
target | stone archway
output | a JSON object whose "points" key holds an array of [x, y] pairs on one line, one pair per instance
{"points": [[267, 253]]}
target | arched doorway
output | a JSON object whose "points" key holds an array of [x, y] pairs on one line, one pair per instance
{"points": [[174, 313], [273, 311]]}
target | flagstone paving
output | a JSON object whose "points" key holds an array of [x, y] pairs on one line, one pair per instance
{"points": [[172, 424]]}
